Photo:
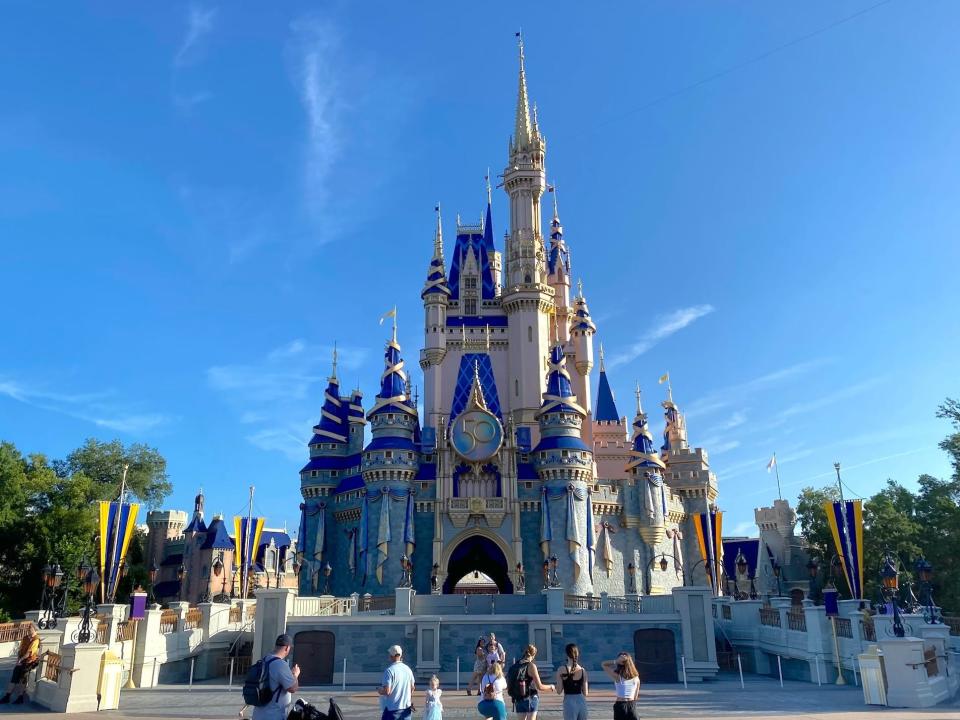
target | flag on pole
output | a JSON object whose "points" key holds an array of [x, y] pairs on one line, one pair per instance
{"points": [[845, 519], [118, 521], [665, 378], [392, 313], [772, 463]]}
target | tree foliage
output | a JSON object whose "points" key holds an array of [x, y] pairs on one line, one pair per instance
{"points": [[48, 512], [904, 522]]}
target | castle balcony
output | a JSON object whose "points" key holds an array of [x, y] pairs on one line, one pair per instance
{"points": [[491, 509]]}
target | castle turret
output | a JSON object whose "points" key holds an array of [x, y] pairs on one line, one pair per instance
{"points": [[390, 464], [197, 525], [647, 470], [527, 296], [564, 464], [558, 267], [436, 299], [331, 455]]}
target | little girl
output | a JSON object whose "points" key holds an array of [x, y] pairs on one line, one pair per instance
{"points": [[434, 708]]}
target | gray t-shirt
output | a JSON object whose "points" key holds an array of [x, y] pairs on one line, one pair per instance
{"points": [[279, 706], [399, 678]]}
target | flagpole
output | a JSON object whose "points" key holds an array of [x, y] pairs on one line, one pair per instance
{"points": [[245, 542], [776, 466], [846, 534], [112, 570]]}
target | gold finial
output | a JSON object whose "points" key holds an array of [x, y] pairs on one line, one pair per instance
{"points": [[487, 333], [438, 236], [639, 406], [580, 287], [602, 368], [476, 392], [489, 189], [333, 375]]}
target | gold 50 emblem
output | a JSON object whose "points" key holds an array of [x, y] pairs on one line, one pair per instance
{"points": [[477, 435]]}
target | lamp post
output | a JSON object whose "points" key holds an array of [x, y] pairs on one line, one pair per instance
{"points": [[521, 579], [889, 578], [152, 573], [924, 570], [813, 570], [405, 571], [664, 563], [89, 579], [327, 570], [742, 568], [632, 578], [435, 578], [52, 578], [219, 571], [181, 577], [554, 575], [546, 573], [777, 571]]}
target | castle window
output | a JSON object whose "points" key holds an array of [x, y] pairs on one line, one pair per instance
{"points": [[516, 387], [334, 473], [409, 456], [388, 454], [470, 306], [529, 486], [313, 473], [470, 283], [529, 333], [564, 453]]}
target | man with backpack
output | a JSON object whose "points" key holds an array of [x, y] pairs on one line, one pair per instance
{"points": [[270, 682]]}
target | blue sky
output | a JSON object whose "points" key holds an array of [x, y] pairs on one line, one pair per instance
{"points": [[198, 199]]}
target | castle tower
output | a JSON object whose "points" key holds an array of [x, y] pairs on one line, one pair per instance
{"points": [[582, 331], [162, 527], [564, 464], [527, 298], [436, 299], [390, 464], [558, 268], [647, 469]]}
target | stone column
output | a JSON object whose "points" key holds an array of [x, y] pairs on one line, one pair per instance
{"points": [[696, 623], [554, 600], [79, 678], [404, 601], [907, 681], [150, 643], [274, 606], [115, 614]]}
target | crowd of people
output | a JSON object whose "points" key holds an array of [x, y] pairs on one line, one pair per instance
{"points": [[519, 686]]}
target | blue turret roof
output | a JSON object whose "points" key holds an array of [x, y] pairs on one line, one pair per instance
{"points": [[333, 416], [559, 396], [436, 283], [606, 405], [217, 536], [581, 314], [196, 525], [643, 452], [559, 255]]}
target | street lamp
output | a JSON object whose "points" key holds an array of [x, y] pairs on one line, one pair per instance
{"points": [[181, 576], [632, 577], [813, 569], [663, 563], [327, 570], [889, 578], [924, 570], [777, 571], [406, 568], [89, 579], [435, 577], [554, 576], [153, 580], [521, 580], [52, 577], [546, 573]]}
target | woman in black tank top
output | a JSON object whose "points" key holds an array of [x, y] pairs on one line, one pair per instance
{"points": [[572, 682]]}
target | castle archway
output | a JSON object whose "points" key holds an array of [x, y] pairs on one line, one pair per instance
{"points": [[477, 553]]}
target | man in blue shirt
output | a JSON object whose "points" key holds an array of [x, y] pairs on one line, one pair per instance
{"points": [[397, 687]]}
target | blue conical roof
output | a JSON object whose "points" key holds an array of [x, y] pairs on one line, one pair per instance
{"points": [[393, 396], [606, 406], [559, 396], [333, 416]]}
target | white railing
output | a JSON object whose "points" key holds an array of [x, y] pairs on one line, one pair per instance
{"points": [[322, 606]]}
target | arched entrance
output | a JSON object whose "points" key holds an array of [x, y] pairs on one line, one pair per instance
{"points": [[313, 651], [479, 554], [656, 655]]}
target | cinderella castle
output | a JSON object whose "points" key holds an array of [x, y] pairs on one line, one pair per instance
{"points": [[514, 471]]}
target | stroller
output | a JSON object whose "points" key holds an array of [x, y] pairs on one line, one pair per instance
{"points": [[302, 710]]}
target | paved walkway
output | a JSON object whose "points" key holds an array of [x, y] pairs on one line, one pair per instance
{"points": [[761, 699]]}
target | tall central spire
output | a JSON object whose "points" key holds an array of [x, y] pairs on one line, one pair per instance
{"points": [[522, 132]]}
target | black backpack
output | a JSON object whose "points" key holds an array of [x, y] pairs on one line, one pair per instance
{"points": [[517, 682], [256, 685], [334, 712]]}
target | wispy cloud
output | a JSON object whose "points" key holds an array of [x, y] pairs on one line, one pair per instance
{"points": [[844, 393], [314, 45], [199, 24], [741, 392], [664, 327], [100, 408], [286, 383]]}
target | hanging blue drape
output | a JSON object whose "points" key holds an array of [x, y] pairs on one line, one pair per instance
{"points": [[409, 537], [591, 540], [573, 531], [546, 532], [364, 536]]}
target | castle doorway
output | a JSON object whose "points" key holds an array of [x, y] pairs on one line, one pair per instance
{"points": [[656, 655], [475, 557], [313, 651]]}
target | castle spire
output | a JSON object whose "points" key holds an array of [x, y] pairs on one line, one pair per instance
{"points": [[606, 405], [522, 131], [438, 236], [333, 371]]}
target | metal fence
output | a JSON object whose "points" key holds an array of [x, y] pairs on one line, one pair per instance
{"points": [[770, 617], [797, 620], [168, 621]]}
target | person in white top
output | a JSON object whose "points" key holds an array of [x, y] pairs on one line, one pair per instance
{"points": [[494, 676], [626, 680]]}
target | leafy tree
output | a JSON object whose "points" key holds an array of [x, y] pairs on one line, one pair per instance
{"points": [[813, 519], [48, 512]]}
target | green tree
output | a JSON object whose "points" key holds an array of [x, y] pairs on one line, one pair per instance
{"points": [[813, 519], [48, 511]]}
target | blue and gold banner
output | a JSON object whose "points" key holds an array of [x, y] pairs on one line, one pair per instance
{"points": [[710, 544], [846, 523], [117, 524], [247, 542]]}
